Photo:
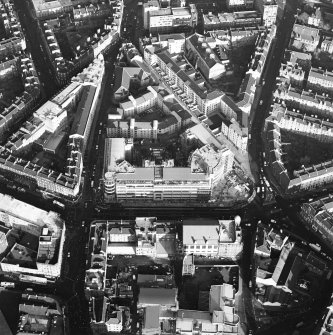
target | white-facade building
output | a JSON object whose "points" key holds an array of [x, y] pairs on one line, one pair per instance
{"points": [[209, 237], [47, 226]]}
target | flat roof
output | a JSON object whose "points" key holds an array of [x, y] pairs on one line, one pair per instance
{"points": [[24, 211], [182, 173], [83, 110], [200, 231], [157, 296], [67, 93], [151, 317], [114, 152]]}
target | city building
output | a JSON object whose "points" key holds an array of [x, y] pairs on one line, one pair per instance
{"points": [[201, 323], [123, 181], [289, 270], [21, 105], [304, 179], [154, 238], [135, 106], [188, 268], [91, 79], [125, 78], [39, 314], [308, 37], [174, 42], [239, 4], [133, 129], [201, 55], [327, 327], [232, 20], [105, 316], [268, 9], [216, 163], [306, 101], [211, 237], [221, 297], [44, 8], [35, 245], [297, 122], [149, 6], [165, 20], [157, 290], [161, 183], [93, 10], [316, 18], [318, 215], [187, 83], [320, 80], [62, 68], [327, 44], [238, 37], [294, 74], [151, 324], [51, 117], [14, 41]]}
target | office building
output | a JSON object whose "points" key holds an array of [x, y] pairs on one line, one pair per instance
{"points": [[161, 183]]}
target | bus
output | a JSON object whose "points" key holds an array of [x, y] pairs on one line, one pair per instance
{"points": [[59, 204], [7, 284]]}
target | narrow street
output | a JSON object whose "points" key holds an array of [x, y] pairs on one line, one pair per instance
{"points": [[35, 47]]}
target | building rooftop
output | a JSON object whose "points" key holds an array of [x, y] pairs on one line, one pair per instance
{"points": [[114, 152], [167, 37], [306, 33], [28, 213], [151, 317], [83, 111], [204, 51], [158, 296], [201, 231]]}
